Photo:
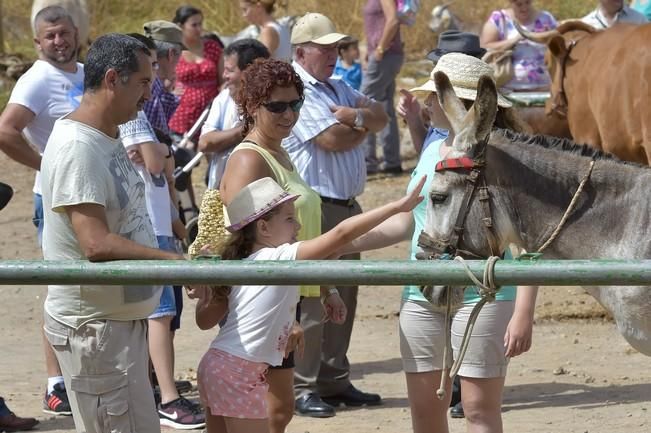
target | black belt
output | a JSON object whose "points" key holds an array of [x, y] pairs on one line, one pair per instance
{"points": [[338, 201]]}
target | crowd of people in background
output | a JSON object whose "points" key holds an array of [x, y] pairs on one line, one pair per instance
{"points": [[294, 119]]}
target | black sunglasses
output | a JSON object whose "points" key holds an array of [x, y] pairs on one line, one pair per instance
{"points": [[279, 107]]}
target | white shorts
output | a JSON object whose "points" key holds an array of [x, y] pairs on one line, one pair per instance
{"points": [[422, 338]]}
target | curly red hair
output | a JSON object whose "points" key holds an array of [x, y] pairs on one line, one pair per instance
{"points": [[259, 80]]}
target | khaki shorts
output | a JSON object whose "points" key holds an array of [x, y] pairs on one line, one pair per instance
{"points": [[105, 368], [422, 338]]}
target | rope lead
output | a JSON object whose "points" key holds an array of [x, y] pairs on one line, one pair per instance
{"points": [[487, 291]]}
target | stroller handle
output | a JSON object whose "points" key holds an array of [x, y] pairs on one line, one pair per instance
{"points": [[189, 166], [192, 131]]}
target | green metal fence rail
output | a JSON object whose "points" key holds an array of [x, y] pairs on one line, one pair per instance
{"points": [[328, 272]]}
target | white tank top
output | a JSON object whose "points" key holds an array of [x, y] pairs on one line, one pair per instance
{"points": [[284, 50]]}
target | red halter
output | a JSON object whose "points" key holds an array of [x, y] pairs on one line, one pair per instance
{"points": [[455, 163]]}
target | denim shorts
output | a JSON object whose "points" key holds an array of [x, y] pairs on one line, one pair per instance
{"points": [[167, 305], [37, 219]]}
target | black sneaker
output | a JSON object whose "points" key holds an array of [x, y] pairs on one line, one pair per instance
{"points": [[181, 414], [457, 411], [353, 397], [56, 402]]}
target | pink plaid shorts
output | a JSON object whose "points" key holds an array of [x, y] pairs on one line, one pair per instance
{"points": [[231, 386]]}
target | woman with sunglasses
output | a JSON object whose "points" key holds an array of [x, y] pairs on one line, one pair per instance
{"points": [[269, 100]]}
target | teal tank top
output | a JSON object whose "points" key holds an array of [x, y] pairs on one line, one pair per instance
{"points": [[429, 157]]}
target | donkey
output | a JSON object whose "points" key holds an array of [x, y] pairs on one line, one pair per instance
{"points": [[442, 18], [530, 182]]}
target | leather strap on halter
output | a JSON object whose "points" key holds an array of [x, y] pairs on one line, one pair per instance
{"points": [[473, 181], [484, 199]]}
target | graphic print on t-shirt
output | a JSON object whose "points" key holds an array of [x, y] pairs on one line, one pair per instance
{"points": [[74, 93]]}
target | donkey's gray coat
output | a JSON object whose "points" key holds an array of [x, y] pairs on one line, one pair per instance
{"points": [[531, 180]]}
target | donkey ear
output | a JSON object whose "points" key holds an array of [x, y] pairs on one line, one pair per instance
{"points": [[477, 124], [450, 103]]}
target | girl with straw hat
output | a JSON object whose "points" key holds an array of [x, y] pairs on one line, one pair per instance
{"points": [[257, 334]]}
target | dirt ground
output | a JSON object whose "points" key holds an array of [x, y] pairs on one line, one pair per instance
{"points": [[580, 376]]}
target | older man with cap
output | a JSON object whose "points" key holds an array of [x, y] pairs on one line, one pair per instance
{"points": [[325, 147], [168, 39]]}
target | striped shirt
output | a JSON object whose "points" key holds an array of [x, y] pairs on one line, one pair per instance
{"points": [[160, 106], [339, 175], [627, 15]]}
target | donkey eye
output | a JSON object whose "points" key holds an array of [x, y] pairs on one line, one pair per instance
{"points": [[438, 197]]}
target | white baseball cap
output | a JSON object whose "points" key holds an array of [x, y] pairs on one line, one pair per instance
{"points": [[316, 28]]}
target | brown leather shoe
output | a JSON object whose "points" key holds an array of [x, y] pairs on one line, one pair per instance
{"points": [[12, 423]]}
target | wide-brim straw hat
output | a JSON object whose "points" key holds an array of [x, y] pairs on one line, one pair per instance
{"points": [[464, 72], [255, 200]]}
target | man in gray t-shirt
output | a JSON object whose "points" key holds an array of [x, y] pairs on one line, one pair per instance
{"points": [[94, 206]]}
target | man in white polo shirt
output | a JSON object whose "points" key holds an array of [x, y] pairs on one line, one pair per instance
{"points": [[325, 148], [51, 88]]}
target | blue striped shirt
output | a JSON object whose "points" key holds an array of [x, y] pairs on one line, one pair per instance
{"points": [[340, 175]]}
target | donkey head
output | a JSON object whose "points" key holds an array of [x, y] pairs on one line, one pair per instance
{"points": [[447, 192], [443, 19]]}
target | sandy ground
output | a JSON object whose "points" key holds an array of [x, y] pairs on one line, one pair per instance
{"points": [[580, 375]]}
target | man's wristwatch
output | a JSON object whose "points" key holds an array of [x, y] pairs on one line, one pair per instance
{"points": [[359, 118], [331, 291]]}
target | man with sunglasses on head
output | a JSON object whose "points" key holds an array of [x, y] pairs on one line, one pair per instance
{"points": [[325, 146]]}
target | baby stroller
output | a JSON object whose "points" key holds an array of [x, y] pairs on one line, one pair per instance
{"points": [[185, 159]]}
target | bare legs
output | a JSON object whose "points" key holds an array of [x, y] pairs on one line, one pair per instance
{"points": [[280, 398], [428, 413], [482, 404], [51, 363], [161, 351], [221, 424]]}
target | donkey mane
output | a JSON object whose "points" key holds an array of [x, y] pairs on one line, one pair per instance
{"points": [[564, 145]]}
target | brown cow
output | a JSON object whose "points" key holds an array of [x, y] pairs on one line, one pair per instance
{"points": [[601, 80]]}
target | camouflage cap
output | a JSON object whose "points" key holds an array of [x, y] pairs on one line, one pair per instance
{"points": [[164, 31]]}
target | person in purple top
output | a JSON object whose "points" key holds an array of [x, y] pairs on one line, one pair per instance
{"points": [[385, 57]]}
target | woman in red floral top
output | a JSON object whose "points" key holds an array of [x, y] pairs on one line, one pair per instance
{"points": [[198, 72]]}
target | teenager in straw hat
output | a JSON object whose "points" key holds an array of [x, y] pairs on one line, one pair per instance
{"points": [[503, 328], [257, 334]]}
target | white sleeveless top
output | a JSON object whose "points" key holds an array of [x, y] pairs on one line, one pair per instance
{"points": [[284, 50]]}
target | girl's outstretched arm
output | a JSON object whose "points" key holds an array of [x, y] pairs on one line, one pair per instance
{"points": [[352, 228], [398, 228]]}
